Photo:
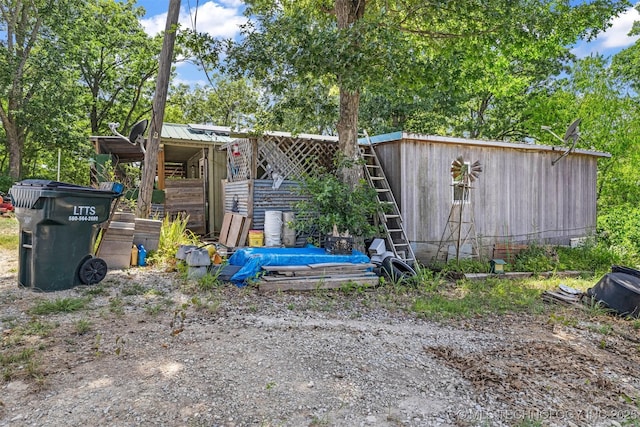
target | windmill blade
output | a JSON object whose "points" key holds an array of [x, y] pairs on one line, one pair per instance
{"points": [[475, 170], [457, 168]]}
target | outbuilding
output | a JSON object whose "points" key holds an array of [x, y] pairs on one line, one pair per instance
{"points": [[525, 192]]}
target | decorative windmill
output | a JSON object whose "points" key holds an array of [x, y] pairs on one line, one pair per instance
{"points": [[460, 229]]}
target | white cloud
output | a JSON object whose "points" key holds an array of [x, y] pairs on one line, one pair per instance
{"points": [[617, 35], [222, 19], [614, 38]]}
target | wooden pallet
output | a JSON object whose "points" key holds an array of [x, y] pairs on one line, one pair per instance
{"points": [[316, 276], [234, 230]]}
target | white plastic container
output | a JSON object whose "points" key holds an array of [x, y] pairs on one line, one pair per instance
{"points": [[273, 228]]}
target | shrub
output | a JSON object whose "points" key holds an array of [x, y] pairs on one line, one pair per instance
{"points": [[329, 202]]}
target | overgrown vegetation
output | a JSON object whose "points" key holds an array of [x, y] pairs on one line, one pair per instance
{"points": [[476, 298], [173, 233], [328, 202]]}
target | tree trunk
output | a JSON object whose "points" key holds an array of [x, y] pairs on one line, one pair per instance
{"points": [[15, 142], [347, 13], [143, 208], [348, 135]]}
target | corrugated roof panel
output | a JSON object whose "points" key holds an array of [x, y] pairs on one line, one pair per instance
{"points": [[184, 132]]}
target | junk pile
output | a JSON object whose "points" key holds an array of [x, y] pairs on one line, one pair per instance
{"points": [[387, 264], [618, 290], [6, 206], [209, 258]]}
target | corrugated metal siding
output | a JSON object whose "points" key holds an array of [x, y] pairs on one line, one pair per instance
{"points": [[265, 198], [518, 197], [240, 190]]}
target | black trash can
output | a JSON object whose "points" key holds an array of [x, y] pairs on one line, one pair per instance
{"points": [[58, 228]]}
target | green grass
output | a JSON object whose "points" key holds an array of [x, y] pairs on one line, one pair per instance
{"points": [[82, 326], [477, 298], [9, 235], [116, 306], [134, 289], [20, 364], [96, 290], [60, 305]]}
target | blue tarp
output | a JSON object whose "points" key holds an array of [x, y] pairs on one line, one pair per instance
{"points": [[252, 259]]}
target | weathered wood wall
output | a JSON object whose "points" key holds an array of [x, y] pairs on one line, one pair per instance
{"points": [[519, 196], [186, 196]]}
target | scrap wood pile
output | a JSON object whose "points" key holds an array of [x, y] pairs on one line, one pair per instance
{"points": [[617, 291], [316, 276], [564, 295]]}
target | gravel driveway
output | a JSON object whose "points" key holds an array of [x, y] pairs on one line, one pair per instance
{"points": [[154, 352]]}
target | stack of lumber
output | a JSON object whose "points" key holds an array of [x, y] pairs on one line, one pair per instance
{"points": [[234, 230], [147, 233], [563, 295], [316, 276], [117, 241]]}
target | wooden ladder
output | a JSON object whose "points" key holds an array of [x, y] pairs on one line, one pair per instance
{"points": [[390, 218]]}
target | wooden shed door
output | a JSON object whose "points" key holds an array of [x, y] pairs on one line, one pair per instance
{"points": [[186, 196]]}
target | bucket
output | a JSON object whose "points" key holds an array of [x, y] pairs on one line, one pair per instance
{"points": [[256, 238], [288, 232], [272, 228]]}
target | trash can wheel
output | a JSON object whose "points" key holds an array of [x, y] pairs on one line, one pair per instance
{"points": [[92, 271]]}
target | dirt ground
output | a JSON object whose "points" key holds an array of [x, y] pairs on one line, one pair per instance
{"points": [[149, 350]]}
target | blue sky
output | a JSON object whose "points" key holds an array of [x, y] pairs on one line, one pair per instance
{"points": [[222, 18]]}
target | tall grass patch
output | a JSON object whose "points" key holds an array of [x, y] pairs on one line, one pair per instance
{"points": [[9, 236], [173, 233], [478, 298]]}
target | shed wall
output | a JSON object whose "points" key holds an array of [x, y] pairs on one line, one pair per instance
{"points": [[519, 196]]}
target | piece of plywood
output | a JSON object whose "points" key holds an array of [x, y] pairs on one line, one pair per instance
{"points": [[246, 226], [224, 230], [234, 230], [313, 284]]}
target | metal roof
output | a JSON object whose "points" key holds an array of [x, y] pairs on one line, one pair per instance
{"points": [[398, 136], [189, 133]]}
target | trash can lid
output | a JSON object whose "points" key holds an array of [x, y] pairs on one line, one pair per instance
{"points": [[46, 184]]}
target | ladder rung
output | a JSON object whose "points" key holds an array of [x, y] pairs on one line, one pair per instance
{"points": [[382, 190], [391, 216], [394, 230], [373, 166], [401, 244], [376, 178]]}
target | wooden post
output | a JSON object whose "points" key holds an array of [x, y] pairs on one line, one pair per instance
{"points": [[211, 189], [161, 172], [143, 207]]}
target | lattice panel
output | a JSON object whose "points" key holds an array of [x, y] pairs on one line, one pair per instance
{"points": [[293, 157], [239, 160]]}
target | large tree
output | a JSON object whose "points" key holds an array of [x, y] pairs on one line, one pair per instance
{"points": [[364, 44], [226, 102], [117, 62], [33, 70]]}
